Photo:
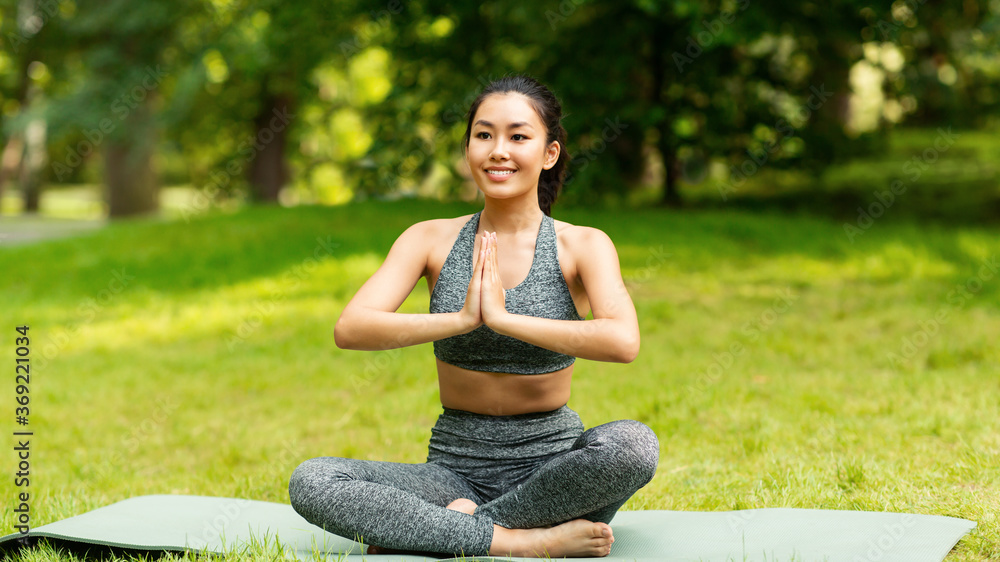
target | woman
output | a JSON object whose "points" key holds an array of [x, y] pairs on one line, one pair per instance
{"points": [[510, 470]]}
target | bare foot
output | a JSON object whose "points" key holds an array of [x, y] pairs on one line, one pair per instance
{"points": [[576, 538], [464, 505], [468, 506]]}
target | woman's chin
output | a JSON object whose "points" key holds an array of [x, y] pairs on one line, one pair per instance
{"points": [[502, 189]]}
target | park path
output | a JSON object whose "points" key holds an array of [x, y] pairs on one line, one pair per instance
{"points": [[20, 230]]}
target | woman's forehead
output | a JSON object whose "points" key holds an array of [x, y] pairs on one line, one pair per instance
{"points": [[502, 109]]}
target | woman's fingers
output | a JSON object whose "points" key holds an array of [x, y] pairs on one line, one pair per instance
{"points": [[486, 253], [483, 254], [494, 269], [479, 257], [483, 245], [473, 299], [492, 272], [491, 259]]}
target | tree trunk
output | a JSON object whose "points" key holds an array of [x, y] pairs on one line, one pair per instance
{"points": [[128, 166], [665, 144], [268, 172], [33, 166], [672, 170], [34, 157], [10, 160], [828, 104]]}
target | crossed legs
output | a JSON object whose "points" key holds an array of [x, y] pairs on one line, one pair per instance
{"points": [[390, 504], [592, 480], [562, 509]]}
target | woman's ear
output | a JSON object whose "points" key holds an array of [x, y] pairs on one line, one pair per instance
{"points": [[551, 155]]}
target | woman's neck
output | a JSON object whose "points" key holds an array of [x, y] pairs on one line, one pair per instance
{"points": [[509, 220]]}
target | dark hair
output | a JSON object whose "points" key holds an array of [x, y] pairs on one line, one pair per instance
{"points": [[549, 111]]}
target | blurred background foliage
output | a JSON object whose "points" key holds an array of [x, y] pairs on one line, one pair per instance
{"points": [[178, 106]]}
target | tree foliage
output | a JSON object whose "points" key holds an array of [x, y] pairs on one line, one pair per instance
{"points": [[374, 94]]}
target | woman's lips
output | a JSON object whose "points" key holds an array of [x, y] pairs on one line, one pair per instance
{"points": [[498, 175]]}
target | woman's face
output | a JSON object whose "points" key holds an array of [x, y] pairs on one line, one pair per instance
{"points": [[507, 149]]}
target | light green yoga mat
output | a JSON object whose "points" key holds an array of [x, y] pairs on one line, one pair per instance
{"points": [[225, 525]]}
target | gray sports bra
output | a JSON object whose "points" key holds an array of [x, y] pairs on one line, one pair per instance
{"points": [[543, 294]]}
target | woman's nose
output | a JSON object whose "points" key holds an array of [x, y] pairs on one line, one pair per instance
{"points": [[499, 152]]}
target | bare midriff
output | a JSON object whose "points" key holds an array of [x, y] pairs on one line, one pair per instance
{"points": [[502, 394]]}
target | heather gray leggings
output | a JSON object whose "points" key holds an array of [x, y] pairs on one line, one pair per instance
{"points": [[524, 471]]}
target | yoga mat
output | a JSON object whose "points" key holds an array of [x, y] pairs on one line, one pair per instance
{"points": [[225, 525]]}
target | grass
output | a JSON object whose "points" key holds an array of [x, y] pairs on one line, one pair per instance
{"points": [[943, 175], [198, 358]]}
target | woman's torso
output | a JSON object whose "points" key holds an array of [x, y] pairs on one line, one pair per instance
{"points": [[504, 393]]}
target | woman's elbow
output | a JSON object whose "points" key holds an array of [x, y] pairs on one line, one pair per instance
{"points": [[629, 350], [341, 334]]}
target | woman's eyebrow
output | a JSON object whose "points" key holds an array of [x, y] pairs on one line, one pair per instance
{"points": [[511, 126]]}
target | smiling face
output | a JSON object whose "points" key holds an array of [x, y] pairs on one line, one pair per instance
{"points": [[507, 147]]}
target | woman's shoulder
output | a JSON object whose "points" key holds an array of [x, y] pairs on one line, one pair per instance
{"points": [[446, 223], [433, 231], [576, 235], [589, 251]]}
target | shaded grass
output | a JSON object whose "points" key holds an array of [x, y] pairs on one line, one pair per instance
{"points": [[209, 367], [944, 176]]}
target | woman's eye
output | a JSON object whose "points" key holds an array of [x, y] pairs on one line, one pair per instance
{"points": [[480, 134], [520, 135]]}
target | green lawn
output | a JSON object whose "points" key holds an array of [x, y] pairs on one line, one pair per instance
{"points": [[782, 365]]}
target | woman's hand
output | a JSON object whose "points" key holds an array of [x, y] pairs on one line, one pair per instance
{"points": [[472, 309], [493, 298]]}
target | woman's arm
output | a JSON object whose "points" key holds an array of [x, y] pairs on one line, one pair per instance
{"points": [[613, 334], [370, 321]]}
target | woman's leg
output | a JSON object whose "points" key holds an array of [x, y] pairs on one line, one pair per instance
{"points": [[389, 504], [592, 480]]}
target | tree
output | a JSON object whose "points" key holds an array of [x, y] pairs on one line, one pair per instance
{"points": [[254, 71], [111, 71], [24, 155], [751, 84]]}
